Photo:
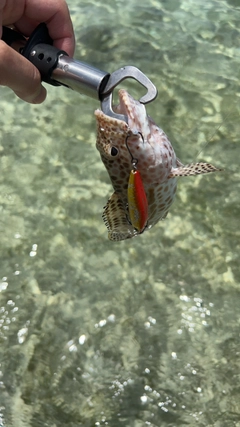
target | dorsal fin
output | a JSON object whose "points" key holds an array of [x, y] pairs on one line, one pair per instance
{"points": [[193, 169], [115, 218]]}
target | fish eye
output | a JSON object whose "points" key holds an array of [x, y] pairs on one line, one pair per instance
{"points": [[114, 151]]}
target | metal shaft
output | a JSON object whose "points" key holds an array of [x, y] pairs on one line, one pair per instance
{"points": [[80, 76]]}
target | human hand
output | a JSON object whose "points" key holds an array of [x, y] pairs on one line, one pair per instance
{"points": [[17, 72]]}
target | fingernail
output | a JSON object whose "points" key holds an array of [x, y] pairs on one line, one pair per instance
{"points": [[36, 97], [40, 96]]}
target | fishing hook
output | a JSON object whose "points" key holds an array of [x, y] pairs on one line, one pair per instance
{"points": [[134, 161]]}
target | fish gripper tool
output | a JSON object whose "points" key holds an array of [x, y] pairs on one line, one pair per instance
{"points": [[57, 68]]}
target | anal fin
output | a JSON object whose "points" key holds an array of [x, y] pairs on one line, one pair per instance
{"points": [[115, 218], [193, 169]]}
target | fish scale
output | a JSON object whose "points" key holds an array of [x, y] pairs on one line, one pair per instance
{"points": [[142, 141]]}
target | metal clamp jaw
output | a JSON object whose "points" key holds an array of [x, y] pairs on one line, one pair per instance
{"points": [[57, 68], [115, 78]]}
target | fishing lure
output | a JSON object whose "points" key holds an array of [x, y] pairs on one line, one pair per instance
{"points": [[137, 199]]}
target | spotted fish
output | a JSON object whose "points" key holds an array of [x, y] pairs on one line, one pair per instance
{"points": [[142, 166]]}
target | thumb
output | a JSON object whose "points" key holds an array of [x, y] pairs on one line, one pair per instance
{"points": [[20, 75]]}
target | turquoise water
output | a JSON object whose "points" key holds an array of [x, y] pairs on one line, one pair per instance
{"points": [[142, 332]]}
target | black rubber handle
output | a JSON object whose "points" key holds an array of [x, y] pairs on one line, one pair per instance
{"points": [[10, 36], [38, 49]]}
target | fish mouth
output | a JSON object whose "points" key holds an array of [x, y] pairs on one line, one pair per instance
{"points": [[137, 118], [129, 107]]}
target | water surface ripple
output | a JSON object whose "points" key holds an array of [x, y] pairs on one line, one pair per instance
{"points": [[142, 332]]}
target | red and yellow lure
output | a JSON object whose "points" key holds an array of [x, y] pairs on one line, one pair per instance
{"points": [[137, 199]]}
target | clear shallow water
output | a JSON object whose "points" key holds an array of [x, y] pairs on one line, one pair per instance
{"points": [[137, 333]]}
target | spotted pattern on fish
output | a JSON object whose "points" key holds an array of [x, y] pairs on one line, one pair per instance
{"points": [[193, 169], [156, 161]]}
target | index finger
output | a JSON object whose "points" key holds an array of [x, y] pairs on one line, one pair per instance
{"points": [[55, 14]]}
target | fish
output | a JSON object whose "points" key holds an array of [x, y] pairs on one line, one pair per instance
{"points": [[142, 166]]}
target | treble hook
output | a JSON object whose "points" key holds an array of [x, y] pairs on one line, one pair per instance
{"points": [[115, 78]]}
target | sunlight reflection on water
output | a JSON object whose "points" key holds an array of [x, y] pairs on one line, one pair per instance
{"points": [[133, 333]]}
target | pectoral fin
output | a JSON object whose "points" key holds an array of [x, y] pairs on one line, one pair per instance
{"points": [[193, 169], [115, 218]]}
